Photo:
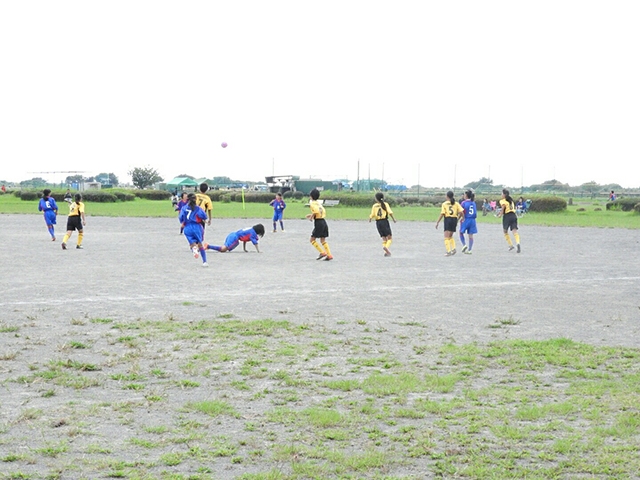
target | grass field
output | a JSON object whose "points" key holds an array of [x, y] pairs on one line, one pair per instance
{"points": [[291, 401], [297, 209]]}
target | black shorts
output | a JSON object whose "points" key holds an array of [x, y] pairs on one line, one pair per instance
{"points": [[509, 221], [384, 228], [450, 224], [74, 223], [320, 228]]}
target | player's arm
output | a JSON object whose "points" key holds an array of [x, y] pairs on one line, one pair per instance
{"points": [[439, 218]]}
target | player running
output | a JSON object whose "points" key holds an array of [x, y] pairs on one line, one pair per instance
{"points": [[50, 208], [509, 219], [192, 217], [76, 221], [381, 211], [320, 228], [469, 224]]}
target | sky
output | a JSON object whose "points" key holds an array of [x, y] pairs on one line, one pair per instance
{"points": [[429, 92]]}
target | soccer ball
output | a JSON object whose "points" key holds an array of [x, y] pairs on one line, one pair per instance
{"points": [[224, 144]]}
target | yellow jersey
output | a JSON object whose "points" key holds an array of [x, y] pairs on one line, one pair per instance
{"points": [[76, 209], [379, 213], [317, 210], [451, 210], [507, 207], [204, 202]]}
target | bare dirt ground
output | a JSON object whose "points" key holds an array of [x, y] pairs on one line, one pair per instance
{"points": [[577, 283]]}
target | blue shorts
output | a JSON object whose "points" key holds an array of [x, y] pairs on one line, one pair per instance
{"points": [[469, 226], [193, 233], [50, 217], [277, 215], [232, 241]]}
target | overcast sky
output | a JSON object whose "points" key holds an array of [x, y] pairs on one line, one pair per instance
{"points": [[439, 92]]}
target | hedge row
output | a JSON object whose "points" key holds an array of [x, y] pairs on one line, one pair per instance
{"points": [[153, 194], [97, 196], [624, 204]]}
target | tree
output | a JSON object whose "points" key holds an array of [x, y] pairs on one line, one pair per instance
{"points": [[144, 177], [35, 182], [74, 179], [107, 179], [483, 184]]}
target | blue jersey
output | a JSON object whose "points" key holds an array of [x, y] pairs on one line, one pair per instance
{"points": [[190, 216], [278, 205], [48, 204], [470, 209]]}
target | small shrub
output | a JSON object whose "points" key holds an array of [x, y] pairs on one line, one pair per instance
{"points": [[298, 195], [225, 198], [624, 204], [581, 209], [548, 204], [29, 195], [288, 194], [98, 196], [153, 194], [17, 193], [597, 209], [637, 208]]}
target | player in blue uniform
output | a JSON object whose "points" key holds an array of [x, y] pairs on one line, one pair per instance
{"points": [[278, 209], [192, 217], [469, 225], [50, 208], [252, 235]]}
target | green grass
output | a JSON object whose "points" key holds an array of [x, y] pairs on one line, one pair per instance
{"points": [[296, 209], [369, 408]]}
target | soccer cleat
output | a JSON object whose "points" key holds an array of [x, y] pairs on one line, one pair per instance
{"points": [[282, 230], [465, 248], [454, 251], [79, 247], [468, 252], [448, 254], [387, 254], [275, 231], [328, 258], [386, 251], [53, 239], [321, 256], [511, 247], [196, 254], [205, 264], [518, 248], [64, 246]]}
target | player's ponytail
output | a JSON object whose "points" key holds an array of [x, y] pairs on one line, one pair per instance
{"points": [[451, 197], [470, 195], [507, 197], [380, 199], [192, 200]]}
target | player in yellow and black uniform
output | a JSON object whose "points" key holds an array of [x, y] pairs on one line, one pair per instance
{"points": [[204, 202], [380, 212], [509, 219], [320, 228], [451, 212], [76, 221]]}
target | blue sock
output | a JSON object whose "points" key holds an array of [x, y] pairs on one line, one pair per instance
{"points": [[274, 225], [203, 254], [281, 225], [214, 247], [462, 240], [470, 244], [51, 232]]}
